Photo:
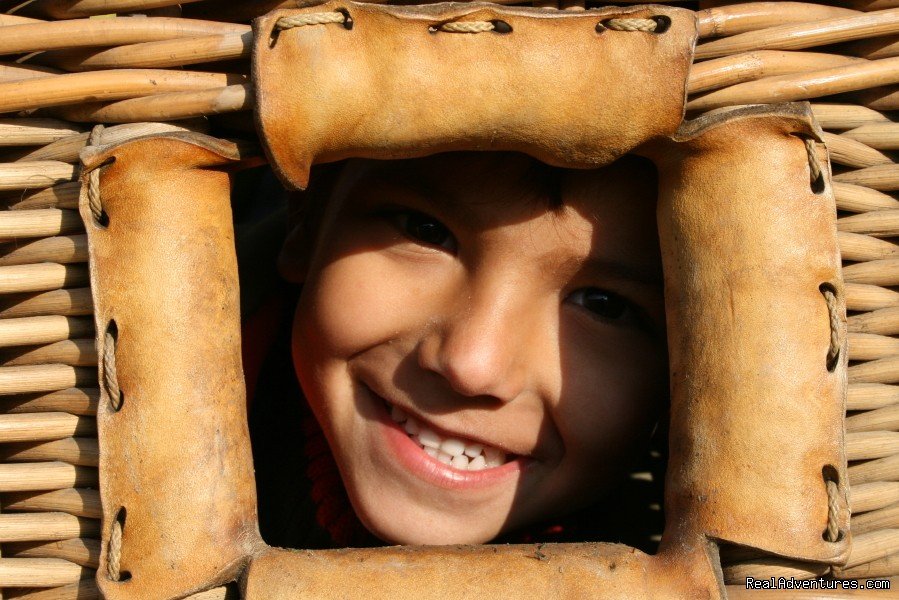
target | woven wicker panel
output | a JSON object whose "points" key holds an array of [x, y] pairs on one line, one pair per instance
{"points": [[177, 67]]}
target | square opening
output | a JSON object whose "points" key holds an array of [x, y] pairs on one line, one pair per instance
{"points": [[393, 207]]}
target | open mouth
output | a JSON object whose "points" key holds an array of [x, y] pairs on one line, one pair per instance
{"points": [[465, 455]]}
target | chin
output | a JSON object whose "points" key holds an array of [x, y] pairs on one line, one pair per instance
{"points": [[438, 535], [416, 525]]}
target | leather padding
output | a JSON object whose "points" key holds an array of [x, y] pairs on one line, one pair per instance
{"points": [[601, 571], [176, 456], [395, 86], [756, 416]]}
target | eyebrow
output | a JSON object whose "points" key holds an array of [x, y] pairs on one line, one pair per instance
{"points": [[427, 189], [641, 273], [395, 176]]}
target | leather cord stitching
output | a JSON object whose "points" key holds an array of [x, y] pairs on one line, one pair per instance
{"points": [[832, 534], [93, 181], [833, 310], [325, 18], [114, 552], [466, 26], [816, 173], [320, 18], [645, 25], [110, 377]]}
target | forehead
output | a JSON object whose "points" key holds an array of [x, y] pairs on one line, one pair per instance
{"points": [[507, 186]]}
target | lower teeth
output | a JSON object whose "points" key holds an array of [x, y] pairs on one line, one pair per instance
{"points": [[454, 452]]}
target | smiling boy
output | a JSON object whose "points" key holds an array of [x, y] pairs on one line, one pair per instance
{"points": [[481, 338]]}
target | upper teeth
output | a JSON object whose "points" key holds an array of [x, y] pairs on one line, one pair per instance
{"points": [[467, 456]]}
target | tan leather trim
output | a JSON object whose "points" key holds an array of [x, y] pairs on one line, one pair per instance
{"points": [[601, 571], [757, 417], [176, 456], [396, 86]]}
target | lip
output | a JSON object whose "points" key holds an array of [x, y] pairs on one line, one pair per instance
{"points": [[408, 454], [511, 449]]}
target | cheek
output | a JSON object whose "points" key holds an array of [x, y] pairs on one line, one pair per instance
{"points": [[612, 393], [363, 298], [351, 305]]}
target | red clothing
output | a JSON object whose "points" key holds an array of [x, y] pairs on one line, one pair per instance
{"points": [[262, 332], [258, 333]]}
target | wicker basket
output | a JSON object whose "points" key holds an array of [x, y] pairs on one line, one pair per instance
{"points": [[69, 65]]}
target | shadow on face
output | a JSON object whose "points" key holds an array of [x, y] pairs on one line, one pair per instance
{"points": [[481, 337]]}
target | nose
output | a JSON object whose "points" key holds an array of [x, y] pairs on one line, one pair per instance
{"points": [[482, 348]]}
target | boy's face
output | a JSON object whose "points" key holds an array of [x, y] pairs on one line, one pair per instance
{"points": [[522, 344]]}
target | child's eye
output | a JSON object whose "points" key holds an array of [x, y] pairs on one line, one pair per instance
{"points": [[428, 230], [607, 306]]}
